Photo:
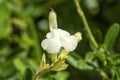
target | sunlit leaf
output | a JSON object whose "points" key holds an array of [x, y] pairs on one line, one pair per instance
{"points": [[111, 36], [62, 75], [83, 65], [20, 66], [5, 26]]}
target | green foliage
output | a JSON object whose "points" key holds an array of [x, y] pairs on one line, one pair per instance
{"points": [[5, 28], [24, 23], [82, 65], [62, 75], [19, 65], [27, 74], [111, 36]]}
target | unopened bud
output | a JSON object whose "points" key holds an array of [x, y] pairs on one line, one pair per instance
{"points": [[52, 20], [78, 36]]}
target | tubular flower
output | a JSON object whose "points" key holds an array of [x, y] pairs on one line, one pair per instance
{"points": [[58, 38]]}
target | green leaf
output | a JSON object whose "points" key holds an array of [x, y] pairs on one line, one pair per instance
{"points": [[6, 69], [91, 56], [5, 26], [111, 36], [83, 65], [27, 74], [20, 66], [72, 61], [62, 75], [101, 57], [90, 59], [114, 59]]}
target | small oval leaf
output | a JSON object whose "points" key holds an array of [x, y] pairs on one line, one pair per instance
{"points": [[111, 36]]}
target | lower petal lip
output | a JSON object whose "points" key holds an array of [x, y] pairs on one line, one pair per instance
{"points": [[52, 45]]}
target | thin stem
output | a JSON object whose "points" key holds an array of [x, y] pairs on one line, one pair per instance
{"points": [[81, 14], [40, 73], [36, 75]]}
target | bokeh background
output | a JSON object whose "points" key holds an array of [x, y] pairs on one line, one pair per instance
{"points": [[24, 24]]}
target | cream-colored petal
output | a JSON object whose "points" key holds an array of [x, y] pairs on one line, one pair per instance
{"points": [[78, 36], [52, 46], [69, 43], [53, 34], [63, 32], [56, 33], [52, 20], [49, 35]]}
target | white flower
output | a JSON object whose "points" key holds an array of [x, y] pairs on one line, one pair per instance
{"points": [[56, 39]]}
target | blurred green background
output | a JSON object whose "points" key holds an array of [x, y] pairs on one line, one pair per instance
{"points": [[24, 24]]}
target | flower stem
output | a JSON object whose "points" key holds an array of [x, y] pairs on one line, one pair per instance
{"points": [[81, 14], [40, 73], [52, 67]]}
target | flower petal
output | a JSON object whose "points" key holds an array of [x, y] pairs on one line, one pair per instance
{"points": [[63, 32], [57, 33], [69, 43], [52, 46], [53, 34]]}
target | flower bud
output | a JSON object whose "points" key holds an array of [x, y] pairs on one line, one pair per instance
{"points": [[52, 20], [78, 36]]}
